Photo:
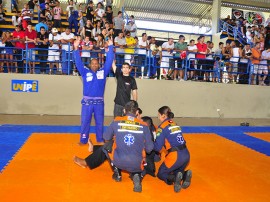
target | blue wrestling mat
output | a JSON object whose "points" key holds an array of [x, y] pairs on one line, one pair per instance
{"points": [[13, 137]]}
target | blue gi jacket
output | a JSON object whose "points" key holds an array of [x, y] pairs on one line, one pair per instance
{"points": [[94, 82]]}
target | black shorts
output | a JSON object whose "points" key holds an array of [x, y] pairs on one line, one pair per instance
{"points": [[96, 158], [57, 23]]}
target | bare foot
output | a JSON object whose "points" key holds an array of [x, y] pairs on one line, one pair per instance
{"points": [[90, 146], [80, 162]]}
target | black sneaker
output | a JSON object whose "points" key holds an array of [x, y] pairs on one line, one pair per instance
{"points": [[116, 176], [187, 179], [177, 183], [137, 183]]}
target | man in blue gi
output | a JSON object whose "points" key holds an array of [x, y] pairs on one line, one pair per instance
{"points": [[94, 80], [132, 139]]}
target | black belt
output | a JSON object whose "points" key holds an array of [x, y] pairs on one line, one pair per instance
{"points": [[178, 148]]}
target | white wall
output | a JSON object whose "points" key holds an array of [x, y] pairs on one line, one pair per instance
{"points": [[61, 95]]}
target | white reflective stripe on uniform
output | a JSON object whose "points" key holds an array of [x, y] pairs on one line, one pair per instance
{"points": [[173, 127], [178, 131], [130, 131], [126, 124]]}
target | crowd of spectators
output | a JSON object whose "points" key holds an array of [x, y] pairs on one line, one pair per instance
{"points": [[95, 24]]}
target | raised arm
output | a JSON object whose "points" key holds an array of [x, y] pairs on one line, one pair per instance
{"points": [[109, 58], [77, 57]]}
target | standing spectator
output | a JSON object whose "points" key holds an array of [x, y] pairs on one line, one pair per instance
{"points": [[2, 51], [82, 22], [167, 54], [118, 24], [262, 39], [248, 35], [218, 51], [109, 15], [52, 4], [67, 39], [54, 49], [41, 7], [179, 47], [142, 56], [263, 67], [126, 86], [72, 15], [97, 30], [19, 39], [129, 50], [30, 39], [99, 11], [90, 11], [156, 56], [9, 44], [42, 40], [57, 12], [101, 46], [192, 49], [87, 46], [243, 65], [120, 43], [202, 50], [256, 53], [209, 61]]}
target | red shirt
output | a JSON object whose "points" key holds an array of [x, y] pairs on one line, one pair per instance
{"points": [[201, 48], [20, 35], [31, 35]]}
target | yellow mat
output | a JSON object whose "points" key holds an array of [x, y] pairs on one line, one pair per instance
{"points": [[43, 170]]}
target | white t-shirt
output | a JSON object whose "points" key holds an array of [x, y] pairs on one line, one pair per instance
{"points": [[142, 43], [67, 37], [55, 39], [265, 54], [120, 42], [100, 12], [191, 48], [86, 53], [248, 35], [130, 28], [167, 45]]}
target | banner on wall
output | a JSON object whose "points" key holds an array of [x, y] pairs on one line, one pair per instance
{"points": [[236, 14], [24, 86], [256, 18]]}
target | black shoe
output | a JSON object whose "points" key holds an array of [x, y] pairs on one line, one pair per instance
{"points": [[137, 183], [116, 175], [187, 179], [177, 183]]}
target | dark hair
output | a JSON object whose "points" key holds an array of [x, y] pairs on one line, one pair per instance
{"points": [[167, 111], [42, 28], [181, 36], [125, 63], [143, 34], [220, 43], [131, 107], [148, 120], [139, 109], [191, 40], [119, 12]]}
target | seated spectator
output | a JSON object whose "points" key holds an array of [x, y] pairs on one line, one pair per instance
{"points": [[87, 29], [57, 12], [16, 19], [46, 14], [120, 43], [82, 23], [14, 5], [2, 16], [26, 16], [100, 45], [131, 26], [96, 30], [99, 11], [118, 24], [87, 46]]}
